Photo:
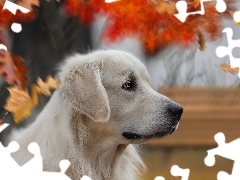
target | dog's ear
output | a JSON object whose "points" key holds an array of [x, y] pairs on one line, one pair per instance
{"points": [[83, 87]]}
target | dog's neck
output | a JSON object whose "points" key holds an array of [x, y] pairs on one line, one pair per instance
{"points": [[97, 157]]}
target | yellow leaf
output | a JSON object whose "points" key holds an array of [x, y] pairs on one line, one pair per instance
{"points": [[45, 88], [167, 7], [35, 93], [19, 103], [52, 83], [237, 23]]}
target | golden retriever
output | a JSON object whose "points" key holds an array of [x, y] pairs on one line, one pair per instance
{"points": [[104, 105]]}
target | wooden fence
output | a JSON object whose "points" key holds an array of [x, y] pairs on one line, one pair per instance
{"points": [[207, 111]]}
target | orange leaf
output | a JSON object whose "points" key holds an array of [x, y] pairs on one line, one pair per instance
{"points": [[196, 3], [12, 69], [201, 42], [227, 68], [19, 103]]}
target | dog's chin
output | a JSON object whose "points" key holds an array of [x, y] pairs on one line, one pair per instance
{"points": [[143, 138]]}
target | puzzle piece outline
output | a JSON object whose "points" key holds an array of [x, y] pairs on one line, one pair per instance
{"points": [[12, 7], [182, 9], [222, 51], [202, 11], [33, 169], [236, 16], [227, 150], [16, 27], [177, 171]]}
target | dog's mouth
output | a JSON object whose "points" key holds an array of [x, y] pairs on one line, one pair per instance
{"points": [[135, 136]]}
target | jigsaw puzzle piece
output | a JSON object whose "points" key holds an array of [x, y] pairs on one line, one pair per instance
{"points": [[88, 178], [36, 168], [5, 154], [5, 125], [222, 51], [2, 46], [35, 164], [12, 7], [236, 16], [234, 176], [210, 158], [221, 6], [227, 150], [177, 171], [64, 164], [159, 178], [7, 163], [235, 170], [223, 176], [182, 9]]}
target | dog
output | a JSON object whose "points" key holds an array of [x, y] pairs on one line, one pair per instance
{"points": [[104, 107]]}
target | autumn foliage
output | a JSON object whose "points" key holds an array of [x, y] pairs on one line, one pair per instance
{"points": [[20, 103], [152, 22], [12, 69]]}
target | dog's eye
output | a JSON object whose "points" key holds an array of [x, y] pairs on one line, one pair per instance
{"points": [[129, 85]]}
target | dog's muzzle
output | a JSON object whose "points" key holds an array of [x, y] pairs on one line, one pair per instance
{"points": [[174, 113]]}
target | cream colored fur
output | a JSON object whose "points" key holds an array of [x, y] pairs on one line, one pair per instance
{"points": [[85, 118]]}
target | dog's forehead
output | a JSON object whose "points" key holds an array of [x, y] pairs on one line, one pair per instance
{"points": [[123, 62], [110, 60]]}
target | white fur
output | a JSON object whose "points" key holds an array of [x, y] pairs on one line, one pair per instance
{"points": [[91, 137]]}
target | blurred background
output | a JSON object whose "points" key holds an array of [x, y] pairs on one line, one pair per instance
{"points": [[193, 78]]}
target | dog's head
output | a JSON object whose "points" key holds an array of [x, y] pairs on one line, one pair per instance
{"points": [[112, 89]]}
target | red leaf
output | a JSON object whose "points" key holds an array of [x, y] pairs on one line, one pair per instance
{"points": [[12, 69], [7, 67], [20, 71]]}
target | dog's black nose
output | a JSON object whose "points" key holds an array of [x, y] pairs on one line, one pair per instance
{"points": [[129, 135], [176, 109]]}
